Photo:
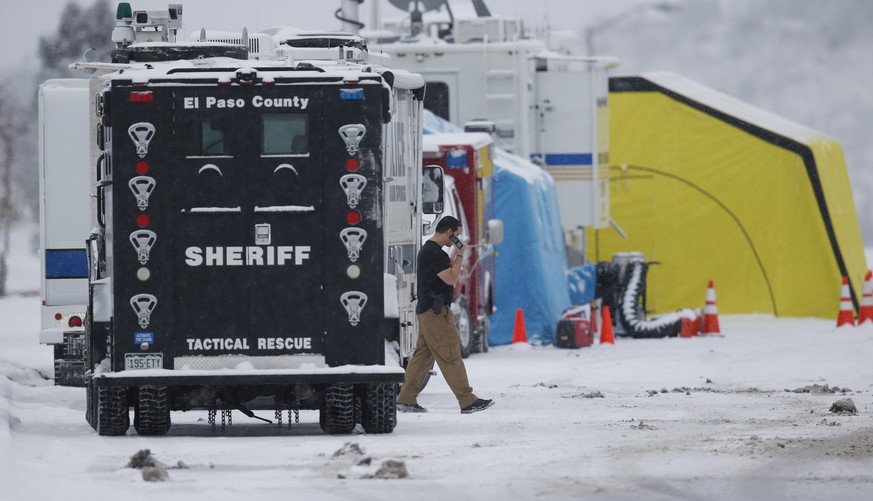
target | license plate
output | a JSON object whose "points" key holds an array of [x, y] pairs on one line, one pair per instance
{"points": [[137, 361]]}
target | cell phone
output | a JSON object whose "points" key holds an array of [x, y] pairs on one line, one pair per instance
{"points": [[456, 242]]}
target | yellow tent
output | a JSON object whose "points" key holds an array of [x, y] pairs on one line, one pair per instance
{"points": [[713, 188]]}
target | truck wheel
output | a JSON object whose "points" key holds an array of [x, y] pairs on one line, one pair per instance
{"points": [[380, 408], [90, 403], [112, 416], [151, 416], [465, 329], [337, 413]]}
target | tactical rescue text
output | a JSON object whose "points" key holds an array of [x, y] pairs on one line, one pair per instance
{"points": [[264, 343]]}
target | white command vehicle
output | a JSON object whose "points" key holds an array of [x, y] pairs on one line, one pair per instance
{"points": [[64, 167], [255, 228], [548, 104]]}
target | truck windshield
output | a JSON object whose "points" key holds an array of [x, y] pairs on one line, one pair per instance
{"points": [[284, 134], [208, 136]]}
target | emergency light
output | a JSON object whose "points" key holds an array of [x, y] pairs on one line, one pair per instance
{"points": [[143, 274], [143, 220], [353, 271], [351, 94], [353, 217], [142, 97]]}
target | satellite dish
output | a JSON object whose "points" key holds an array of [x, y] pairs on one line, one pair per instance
{"points": [[423, 5]]}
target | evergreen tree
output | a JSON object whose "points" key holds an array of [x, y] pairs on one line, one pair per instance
{"points": [[80, 29]]}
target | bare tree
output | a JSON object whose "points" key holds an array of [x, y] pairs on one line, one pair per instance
{"points": [[8, 113]]}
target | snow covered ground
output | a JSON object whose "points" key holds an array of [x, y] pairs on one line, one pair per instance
{"points": [[703, 418]]}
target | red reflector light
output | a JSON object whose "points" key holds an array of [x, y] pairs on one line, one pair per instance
{"points": [[75, 321], [58, 316], [353, 217], [141, 97], [143, 220], [352, 164], [142, 167]]}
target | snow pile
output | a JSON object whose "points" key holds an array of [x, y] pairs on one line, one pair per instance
{"points": [[152, 469], [844, 406], [354, 462]]}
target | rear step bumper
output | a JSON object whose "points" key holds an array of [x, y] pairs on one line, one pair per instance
{"points": [[332, 375]]}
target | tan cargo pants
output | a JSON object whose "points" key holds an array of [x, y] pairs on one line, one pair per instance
{"points": [[438, 340]]}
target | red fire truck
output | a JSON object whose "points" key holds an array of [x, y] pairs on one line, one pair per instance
{"points": [[467, 159]]}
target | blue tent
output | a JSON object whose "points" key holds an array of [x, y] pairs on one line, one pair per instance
{"points": [[531, 267]]}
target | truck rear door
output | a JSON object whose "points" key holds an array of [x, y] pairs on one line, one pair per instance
{"points": [[249, 223], [250, 216]]}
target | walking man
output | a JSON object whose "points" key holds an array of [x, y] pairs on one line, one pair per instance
{"points": [[438, 337]]}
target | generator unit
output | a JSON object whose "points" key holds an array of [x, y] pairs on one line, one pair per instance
{"points": [[255, 234]]}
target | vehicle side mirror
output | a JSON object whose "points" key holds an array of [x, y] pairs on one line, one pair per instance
{"points": [[432, 190], [427, 227], [495, 231]]}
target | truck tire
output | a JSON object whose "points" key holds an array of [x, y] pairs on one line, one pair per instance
{"points": [[112, 416], [337, 413], [151, 416], [379, 408], [464, 323], [90, 403]]}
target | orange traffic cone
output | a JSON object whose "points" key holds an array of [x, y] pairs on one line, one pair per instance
{"points": [[689, 326], [710, 312], [606, 334], [866, 311], [519, 334], [847, 314]]}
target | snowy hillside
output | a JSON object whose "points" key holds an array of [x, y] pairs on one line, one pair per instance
{"points": [[806, 60]]}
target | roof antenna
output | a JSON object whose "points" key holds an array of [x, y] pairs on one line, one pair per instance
{"points": [[416, 23], [85, 54]]}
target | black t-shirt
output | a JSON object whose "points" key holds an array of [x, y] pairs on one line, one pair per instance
{"points": [[432, 260]]}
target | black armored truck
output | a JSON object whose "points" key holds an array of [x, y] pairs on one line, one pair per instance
{"points": [[256, 224]]}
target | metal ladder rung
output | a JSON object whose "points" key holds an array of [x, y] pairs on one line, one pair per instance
{"points": [[500, 73]]}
